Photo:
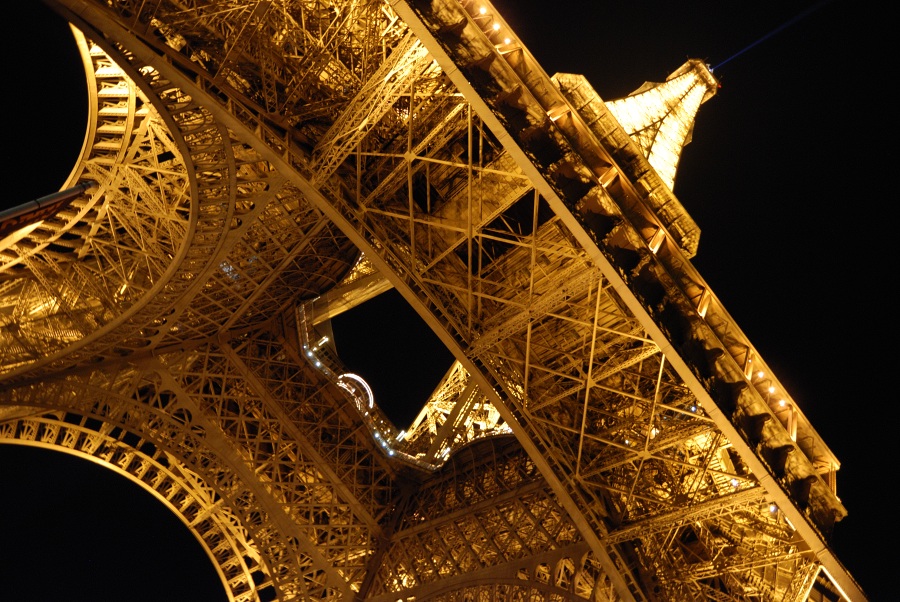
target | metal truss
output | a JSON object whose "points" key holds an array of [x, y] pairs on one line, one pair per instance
{"points": [[607, 432]]}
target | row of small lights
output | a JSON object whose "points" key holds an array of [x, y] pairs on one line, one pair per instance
{"points": [[702, 307], [760, 375], [311, 355], [770, 389], [495, 26], [382, 439], [703, 304]]}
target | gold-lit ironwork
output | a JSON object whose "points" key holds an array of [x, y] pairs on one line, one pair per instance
{"points": [[607, 432]]}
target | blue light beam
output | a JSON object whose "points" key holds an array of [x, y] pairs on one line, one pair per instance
{"points": [[778, 29]]}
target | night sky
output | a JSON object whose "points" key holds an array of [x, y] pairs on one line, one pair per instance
{"points": [[786, 177]]}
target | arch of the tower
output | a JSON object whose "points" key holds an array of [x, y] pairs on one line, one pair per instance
{"points": [[79, 274], [245, 443], [183, 492], [181, 231], [437, 550]]}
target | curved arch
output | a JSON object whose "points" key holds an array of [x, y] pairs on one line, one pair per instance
{"points": [[236, 228], [234, 453], [79, 274], [141, 461], [254, 229], [73, 529]]}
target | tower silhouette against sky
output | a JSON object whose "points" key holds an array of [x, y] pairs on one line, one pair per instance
{"points": [[606, 430]]}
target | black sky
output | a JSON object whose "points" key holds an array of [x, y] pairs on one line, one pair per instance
{"points": [[787, 178]]}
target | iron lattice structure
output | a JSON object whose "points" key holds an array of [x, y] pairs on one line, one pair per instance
{"points": [[253, 168]]}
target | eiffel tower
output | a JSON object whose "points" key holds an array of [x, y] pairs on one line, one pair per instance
{"points": [[251, 170]]}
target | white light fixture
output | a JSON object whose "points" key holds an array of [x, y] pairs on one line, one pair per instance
{"points": [[703, 304], [656, 240]]}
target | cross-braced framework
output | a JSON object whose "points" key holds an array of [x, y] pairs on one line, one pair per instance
{"points": [[253, 168]]}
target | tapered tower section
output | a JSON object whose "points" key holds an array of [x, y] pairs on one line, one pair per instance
{"points": [[606, 432], [660, 116]]}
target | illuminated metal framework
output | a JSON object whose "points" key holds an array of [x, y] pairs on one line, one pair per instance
{"points": [[607, 431]]}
